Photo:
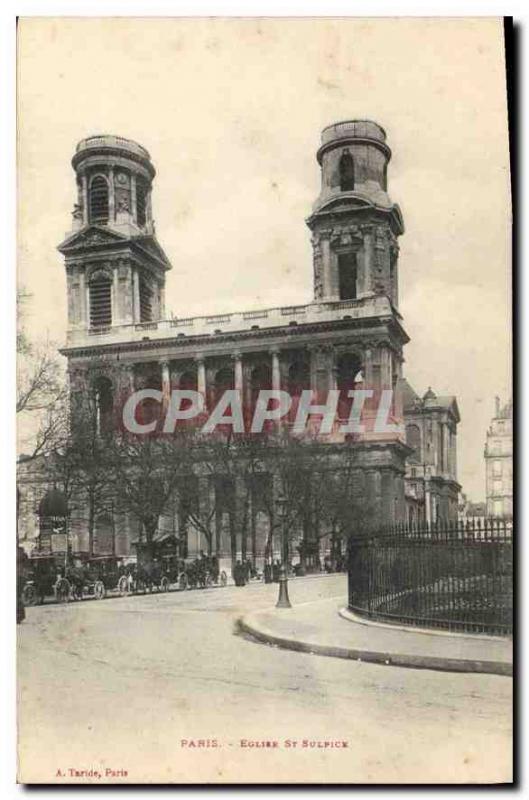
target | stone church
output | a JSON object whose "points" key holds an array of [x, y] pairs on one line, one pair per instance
{"points": [[351, 333]]}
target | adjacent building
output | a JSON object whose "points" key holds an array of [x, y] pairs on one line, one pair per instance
{"points": [[431, 484], [499, 461]]}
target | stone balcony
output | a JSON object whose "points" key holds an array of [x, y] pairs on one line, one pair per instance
{"points": [[115, 142], [236, 322]]}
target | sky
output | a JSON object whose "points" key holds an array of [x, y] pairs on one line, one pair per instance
{"points": [[231, 112]]}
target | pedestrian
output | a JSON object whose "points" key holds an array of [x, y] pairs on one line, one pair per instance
{"points": [[238, 574]]}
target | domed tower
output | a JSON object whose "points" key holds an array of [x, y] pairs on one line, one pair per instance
{"points": [[114, 264], [354, 223]]}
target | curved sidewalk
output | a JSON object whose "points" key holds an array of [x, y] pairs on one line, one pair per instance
{"points": [[318, 627]]}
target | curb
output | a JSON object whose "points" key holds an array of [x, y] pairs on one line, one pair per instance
{"points": [[350, 616], [264, 636]]}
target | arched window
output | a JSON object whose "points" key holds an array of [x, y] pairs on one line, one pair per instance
{"points": [[261, 378], [100, 292], [141, 201], [348, 369], [148, 376], [413, 440], [187, 382], [99, 199], [347, 172], [347, 276], [146, 295], [298, 380], [224, 381], [104, 404]]}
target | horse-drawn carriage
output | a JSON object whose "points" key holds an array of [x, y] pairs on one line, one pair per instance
{"points": [[66, 578], [159, 567], [45, 577], [96, 576], [202, 572]]}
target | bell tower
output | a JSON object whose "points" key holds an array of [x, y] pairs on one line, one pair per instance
{"points": [[115, 267], [354, 224]]}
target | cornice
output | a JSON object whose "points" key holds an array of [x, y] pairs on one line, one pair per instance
{"points": [[206, 341]]}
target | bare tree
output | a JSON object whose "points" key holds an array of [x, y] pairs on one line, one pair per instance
{"points": [[41, 392], [144, 472]]}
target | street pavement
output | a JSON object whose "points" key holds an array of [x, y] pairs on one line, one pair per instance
{"points": [[156, 689], [317, 628]]}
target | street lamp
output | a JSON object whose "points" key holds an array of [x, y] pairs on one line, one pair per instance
{"points": [[283, 600]]}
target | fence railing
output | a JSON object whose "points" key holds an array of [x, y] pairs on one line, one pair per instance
{"points": [[457, 576]]}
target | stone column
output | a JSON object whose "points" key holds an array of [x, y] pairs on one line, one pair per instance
{"points": [[368, 368], [276, 372], [446, 448], [385, 363], [166, 385], [204, 501], [367, 286], [241, 517], [397, 400], [148, 209], [201, 378], [427, 497], [82, 300], [84, 181], [87, 301], [333, 368], [238, 381], [133, 207], [114, 305], [136, 294], [111, 196], [326, 269], [161, 312]]}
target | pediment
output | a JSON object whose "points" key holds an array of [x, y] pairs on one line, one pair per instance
{"points": [[149, 246], [92, 236]]}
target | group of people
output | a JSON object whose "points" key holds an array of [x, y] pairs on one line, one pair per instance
{"points": [[243, 571]]}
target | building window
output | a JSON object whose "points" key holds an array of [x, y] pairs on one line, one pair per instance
{"points": [[100, 293], [347, 276], [347, 172], [497, 508], [348, 369], [141, 201], [261, 379], [497, 487], [224, 382], [99, 199], [413, 440], [496, 469], [145, 301], [104, 405]]}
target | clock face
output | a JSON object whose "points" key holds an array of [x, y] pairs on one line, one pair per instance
{"points": [[122, 178]]}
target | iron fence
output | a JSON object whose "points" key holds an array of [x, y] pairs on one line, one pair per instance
{"points": [[457, 576]]}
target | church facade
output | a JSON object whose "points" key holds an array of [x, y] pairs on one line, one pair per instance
{"points": [[350, 334]]}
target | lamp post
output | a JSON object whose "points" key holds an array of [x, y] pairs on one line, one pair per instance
{"points": [[283, 599]]}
